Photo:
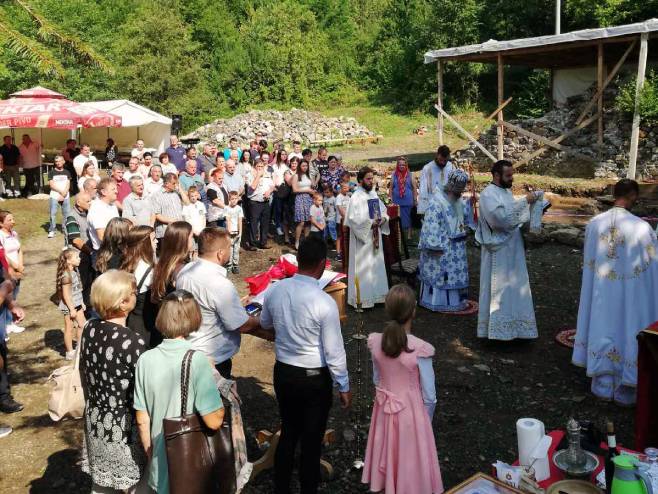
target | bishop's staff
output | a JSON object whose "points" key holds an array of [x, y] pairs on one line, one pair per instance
{"points": [[474, 200]]}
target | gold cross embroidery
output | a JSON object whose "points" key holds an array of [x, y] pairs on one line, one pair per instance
{"points": [[614, 239]]}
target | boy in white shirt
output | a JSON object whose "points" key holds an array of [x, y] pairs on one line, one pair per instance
{"points": [[318, 221], [234, 215], [194, 212], [342, 201]]}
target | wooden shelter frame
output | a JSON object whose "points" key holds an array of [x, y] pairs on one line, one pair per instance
{"points": [[605, 48]]}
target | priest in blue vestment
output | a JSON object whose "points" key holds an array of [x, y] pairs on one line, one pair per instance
{"points": [[443, 268]]}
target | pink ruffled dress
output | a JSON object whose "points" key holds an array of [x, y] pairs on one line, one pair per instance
{"points": [[401, 456]]}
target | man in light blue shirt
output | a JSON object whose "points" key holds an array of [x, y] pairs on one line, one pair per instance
{"points": [[223, 316], [310, 355]]}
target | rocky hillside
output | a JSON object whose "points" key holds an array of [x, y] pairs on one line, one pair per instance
{"points": [[583, 157], [305, 126]]}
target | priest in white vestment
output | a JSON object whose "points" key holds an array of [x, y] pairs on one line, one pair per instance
{"points": [[618, 297], [433, 177], [506, 310], [367, 219]]}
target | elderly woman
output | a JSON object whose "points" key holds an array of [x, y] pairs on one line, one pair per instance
{"points": [[112, 454], [158, 383]]}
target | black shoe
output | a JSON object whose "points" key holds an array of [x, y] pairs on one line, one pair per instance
{"points": [[250, 248], [235, 270], [9, 405], [264, 246]]}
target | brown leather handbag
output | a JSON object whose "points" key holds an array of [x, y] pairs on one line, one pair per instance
{"points": [[199, 460]]}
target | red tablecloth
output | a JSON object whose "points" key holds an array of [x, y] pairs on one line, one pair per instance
{"points": [[556, 473]]}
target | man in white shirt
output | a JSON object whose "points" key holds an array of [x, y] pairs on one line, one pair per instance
{"points": [[101, 211], [138, 150], [310, 360], [133, 169], [433, 177], [217, 199], [259, 189], [84, 156], [223, 316], [296, 151], [31, 162], [59, 181], [154, 182], [136, 207]]}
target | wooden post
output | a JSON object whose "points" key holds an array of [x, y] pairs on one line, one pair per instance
{"points": [[465, 132], [439, 99], [501, 95], [635, 133], [599, 86]]}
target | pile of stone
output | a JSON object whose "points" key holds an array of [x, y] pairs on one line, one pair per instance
{"points": [[583, 157], [305, 126]]}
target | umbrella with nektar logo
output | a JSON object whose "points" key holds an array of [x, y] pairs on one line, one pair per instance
{"points": [[42, 108]]}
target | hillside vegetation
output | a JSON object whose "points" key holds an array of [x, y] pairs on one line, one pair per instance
{"points": [[209, 58]]}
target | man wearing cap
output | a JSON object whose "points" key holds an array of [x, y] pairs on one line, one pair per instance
{"points": [[443, 268]]}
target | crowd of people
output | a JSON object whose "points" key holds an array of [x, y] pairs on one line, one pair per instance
{"points": [[143, 284]]}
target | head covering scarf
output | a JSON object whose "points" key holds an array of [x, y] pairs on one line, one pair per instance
{"points": [[401, 176]]}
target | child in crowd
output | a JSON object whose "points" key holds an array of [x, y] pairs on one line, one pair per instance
{"points": [[342, 201], [401, 454], [69, 292], [194, 212], [345, 179], [330, 214], [234, 215], [318, 222]]}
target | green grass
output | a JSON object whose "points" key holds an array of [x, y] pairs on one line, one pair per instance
{"points": [[30, 216]]}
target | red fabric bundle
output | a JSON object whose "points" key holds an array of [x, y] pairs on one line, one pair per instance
{"points": [[282, 269]]}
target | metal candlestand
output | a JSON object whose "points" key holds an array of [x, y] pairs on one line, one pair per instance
{"points": [[359, 337]]}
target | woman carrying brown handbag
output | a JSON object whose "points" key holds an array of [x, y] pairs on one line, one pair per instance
{"points": [[158, 386]]}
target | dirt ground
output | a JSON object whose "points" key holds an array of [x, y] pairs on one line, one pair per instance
{"points": [[483, 388]]}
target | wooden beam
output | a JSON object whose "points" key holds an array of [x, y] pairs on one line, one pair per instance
{"points": [[635, 132], [439, 99], [537, 137], [608, 80], [500, 108], [463, 131], [557, 140], [599, 90], [501, 94]]}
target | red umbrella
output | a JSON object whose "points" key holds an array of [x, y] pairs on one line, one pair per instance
{"points": [[42, 108]]}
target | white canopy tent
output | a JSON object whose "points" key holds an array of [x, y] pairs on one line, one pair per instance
{"points": [[138, 122]]}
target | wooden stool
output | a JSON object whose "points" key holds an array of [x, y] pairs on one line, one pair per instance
{"points": [[266, 461]]}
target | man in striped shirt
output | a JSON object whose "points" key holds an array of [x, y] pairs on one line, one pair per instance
{"points": [[167, 205], [77, 236]]}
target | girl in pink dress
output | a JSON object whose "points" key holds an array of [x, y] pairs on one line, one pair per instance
{"points": [[401, 456]]}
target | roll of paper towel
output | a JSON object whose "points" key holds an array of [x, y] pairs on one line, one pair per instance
{"points": [[539, 459], [528, 432]]}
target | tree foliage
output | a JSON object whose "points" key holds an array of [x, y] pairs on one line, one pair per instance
{"points": [[205, 58]]}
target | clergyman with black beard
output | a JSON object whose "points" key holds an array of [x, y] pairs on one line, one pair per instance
{"points": [[367, 219], [506, 308], [433, 177]]}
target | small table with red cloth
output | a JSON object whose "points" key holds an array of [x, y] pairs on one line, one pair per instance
{"points": [[646, 408], [557, 474]]}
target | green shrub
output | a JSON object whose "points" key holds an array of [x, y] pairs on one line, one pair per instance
{"points": [[648, 107]]}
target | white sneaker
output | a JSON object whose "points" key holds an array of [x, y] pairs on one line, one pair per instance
{"points": [[2, 199], [69, 355], [279, 231], [5, 430], [51, 234], [14, 328]]}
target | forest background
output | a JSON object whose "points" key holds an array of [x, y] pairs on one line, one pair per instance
{"points": [[213, 58]]}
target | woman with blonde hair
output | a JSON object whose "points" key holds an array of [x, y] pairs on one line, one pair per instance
{"points": [[401, 455], [158, 383], [112, 454], [112, 249]]}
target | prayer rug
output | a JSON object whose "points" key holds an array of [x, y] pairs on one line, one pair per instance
{"points": [[566, 337], [471, 308]]}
